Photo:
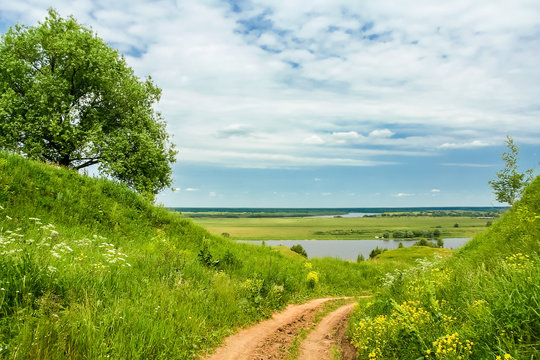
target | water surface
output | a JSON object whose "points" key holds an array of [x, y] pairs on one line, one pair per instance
{"points": [[350, 249]]}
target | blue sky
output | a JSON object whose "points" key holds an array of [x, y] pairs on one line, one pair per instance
{"points": [[329, 103]]}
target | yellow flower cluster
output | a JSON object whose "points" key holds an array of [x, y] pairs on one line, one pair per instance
{"points": [[312, 278], [519, 262], [451, 347], [372, 334], [411, 314], [505, 357]]}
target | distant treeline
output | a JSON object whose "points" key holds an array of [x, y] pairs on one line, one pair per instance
{"points": [[495, 212], [238, 215], [397, 234], [305, 212]]}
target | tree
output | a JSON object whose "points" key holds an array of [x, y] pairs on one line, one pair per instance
{"points": [[67, 97], [510, 183]]}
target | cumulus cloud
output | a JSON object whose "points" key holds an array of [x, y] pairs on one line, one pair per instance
{"points": [[266, 73], [191, 189], [382, 133], [435, 190]]}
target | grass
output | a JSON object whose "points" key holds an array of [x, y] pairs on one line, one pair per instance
{"points": [[407, 256], [91, 270], [338, 228], [480, 303]]}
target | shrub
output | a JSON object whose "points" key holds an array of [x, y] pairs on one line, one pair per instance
{"points": [[299, 250], [376, 251]]}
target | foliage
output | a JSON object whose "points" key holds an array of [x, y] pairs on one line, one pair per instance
{"points": [[299, 250], [509, 184], [376, 251], [68, 98], [481, 303], [425, 242]]}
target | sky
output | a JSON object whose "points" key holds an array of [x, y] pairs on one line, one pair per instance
{"points": [[329, 103]]}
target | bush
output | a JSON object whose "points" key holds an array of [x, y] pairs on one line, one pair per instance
{"points": [[299, 250], [376, 251], [425, 242], [360, 258]]}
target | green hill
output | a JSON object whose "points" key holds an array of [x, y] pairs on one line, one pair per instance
{"points": [[91, 270], [481, 303]]}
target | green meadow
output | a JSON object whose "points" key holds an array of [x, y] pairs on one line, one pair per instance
{"points": [[299, 228], [91, 270]]}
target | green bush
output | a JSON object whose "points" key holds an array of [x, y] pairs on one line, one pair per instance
{"points": [[299, 250]]}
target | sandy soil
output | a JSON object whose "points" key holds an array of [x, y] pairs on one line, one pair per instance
{"points": [[329, 333], [271, 338]]}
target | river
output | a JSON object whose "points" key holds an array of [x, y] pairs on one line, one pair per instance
{"points": [[350, 249]]}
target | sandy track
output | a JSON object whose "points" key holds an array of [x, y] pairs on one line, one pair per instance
{"points": [[329, 333], [271, 338]]}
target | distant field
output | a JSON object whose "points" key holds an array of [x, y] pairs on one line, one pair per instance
{"points": [[338, 228]]}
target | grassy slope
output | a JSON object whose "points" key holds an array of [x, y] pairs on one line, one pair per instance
{"points": [[364, 228], [487, 293], [88, 269]]}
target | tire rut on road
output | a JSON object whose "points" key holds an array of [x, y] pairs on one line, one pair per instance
{"points": [[272, 338]]}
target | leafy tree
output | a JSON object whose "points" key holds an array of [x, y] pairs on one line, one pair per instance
{"points": [[67, 97], [510, 183]]}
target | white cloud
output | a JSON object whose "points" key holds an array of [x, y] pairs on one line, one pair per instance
{"points": [[313, 140], [212, 194], [435, 190], [466, 145], [468, 165], [382, 133], [192, 189], [349, 135], [399, 195], [463, 74]]}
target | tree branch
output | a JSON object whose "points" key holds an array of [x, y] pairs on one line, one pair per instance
{"points": [[88, 163]]}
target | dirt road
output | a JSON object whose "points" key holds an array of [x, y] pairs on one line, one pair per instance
{"points": [[272, 338]]}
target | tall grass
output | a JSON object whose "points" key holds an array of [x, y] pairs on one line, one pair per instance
{"points": [[482, 303], [91, 270]]}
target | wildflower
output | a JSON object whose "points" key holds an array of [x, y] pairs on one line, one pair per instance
{"points": [[9, 217]]}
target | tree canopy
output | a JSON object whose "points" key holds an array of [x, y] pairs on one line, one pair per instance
{"points": [[69, 98], [509, 184]]}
